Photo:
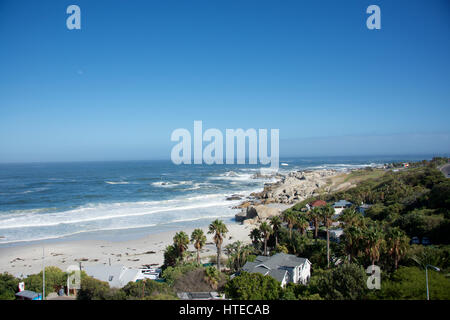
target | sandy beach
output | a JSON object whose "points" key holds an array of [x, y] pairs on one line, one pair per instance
{"points": [[24, 259], [27, 259]]}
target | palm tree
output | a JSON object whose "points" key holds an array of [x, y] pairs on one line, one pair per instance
{"points": [[275, 222], [351, 217], [181, 242], [397, 243], [288, 216], [352, 238], [374, 239], [315, 217], [302, 223], [326, 213], [199, 240], [219, 229], [266, 231]]}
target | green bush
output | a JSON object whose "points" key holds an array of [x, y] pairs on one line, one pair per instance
{"points": [[408, 283], [8, 286], [253, 286]]}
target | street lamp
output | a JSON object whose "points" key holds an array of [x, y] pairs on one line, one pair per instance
{"points": [[426, 276]]}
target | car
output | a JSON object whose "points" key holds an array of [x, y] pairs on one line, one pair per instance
{"points": [[415, 240], [426, 241]]}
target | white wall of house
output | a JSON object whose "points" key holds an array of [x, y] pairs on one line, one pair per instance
{"points": [[304, 273]]}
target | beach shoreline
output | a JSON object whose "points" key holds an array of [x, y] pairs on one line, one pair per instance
{"points": [[26, 259], [138, 248]]}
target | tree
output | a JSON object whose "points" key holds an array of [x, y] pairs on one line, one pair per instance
{"points": [[288, 216], [345, 282], [373, 241], [315, 217], [409, 283], [275, 222], [199, 240], [301, 222], [54, 280], [326, 212], [181, 242], [351, 217], [256, 236], [8, 286], [219, 229], [266, 231], [92, 289], [253, 286], [146, 289], [212, 277], [170, 256], [351, 239], [397, 243]]}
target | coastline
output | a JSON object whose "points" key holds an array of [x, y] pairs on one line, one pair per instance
{"points": [[148, 248]]}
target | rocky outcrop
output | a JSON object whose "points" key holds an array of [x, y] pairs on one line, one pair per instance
{"points": [[295, 186], [257, 213], [235, 197], [288, 190]]}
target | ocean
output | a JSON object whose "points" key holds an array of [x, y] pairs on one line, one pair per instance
{"points": [[128, 199]]}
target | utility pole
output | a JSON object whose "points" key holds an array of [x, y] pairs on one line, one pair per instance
{"points": [[43, 273]]}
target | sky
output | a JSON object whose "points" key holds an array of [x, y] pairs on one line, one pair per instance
{"points": [[137, 70]]}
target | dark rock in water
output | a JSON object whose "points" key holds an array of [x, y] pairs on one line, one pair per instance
{"points": [[241, 216], [235, 197]]}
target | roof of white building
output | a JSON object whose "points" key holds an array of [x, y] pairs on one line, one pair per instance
{"points": [[117, 276]]}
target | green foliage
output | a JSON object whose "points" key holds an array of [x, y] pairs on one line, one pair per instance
{"points": [[93, 289], [238, 255], [219, 229], [198, 238], [181, 242], [253, 286], [8, 286], [147, 289], [171, 256], [212, 276], [345, 282], [409, 283], [170, 274], [54, 280]]}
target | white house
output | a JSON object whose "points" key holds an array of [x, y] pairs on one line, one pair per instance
{"points": [[117, 276], [283, 267]]}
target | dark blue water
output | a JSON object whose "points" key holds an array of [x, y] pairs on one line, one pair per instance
{"points": [[59, 200]]}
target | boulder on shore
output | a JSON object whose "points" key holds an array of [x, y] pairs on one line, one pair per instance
{"points": [[257, 213]]}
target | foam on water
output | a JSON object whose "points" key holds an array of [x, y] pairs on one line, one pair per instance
{"points": [[49, 201]]}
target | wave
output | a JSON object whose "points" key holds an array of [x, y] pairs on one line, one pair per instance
{"points": [[117, 182], [97, 212], [169, 184]]}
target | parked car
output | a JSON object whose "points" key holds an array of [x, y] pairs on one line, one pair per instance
{"points": [[415, 240], [426, 241]]}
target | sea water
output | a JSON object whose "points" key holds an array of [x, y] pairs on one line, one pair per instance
{"points": [[124, 200]]}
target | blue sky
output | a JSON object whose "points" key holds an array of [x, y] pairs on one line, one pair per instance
{"points": [[137, 70]]}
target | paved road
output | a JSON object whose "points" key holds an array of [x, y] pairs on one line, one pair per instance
{"points": [[445, 169]]}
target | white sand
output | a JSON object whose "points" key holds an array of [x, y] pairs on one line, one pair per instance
{"points": [[27, 259]]}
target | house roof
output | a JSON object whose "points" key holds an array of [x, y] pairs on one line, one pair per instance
{"points": [[275, 266], [342, 203], [116, 276], [198, 295], [318, 203], [27, 294]]}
